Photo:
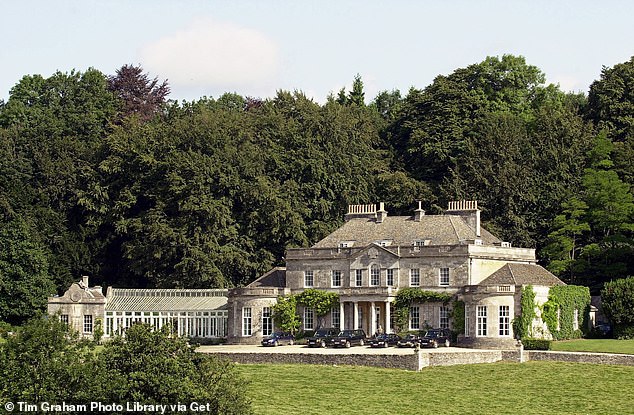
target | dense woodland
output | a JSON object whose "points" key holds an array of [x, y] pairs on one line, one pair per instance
{"points": [[103, 175]]}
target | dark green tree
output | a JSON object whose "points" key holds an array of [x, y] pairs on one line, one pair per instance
{"points": [[24, 280], [45, 362], [155, 367], [611, 101], [565, 241], [617, 302]]}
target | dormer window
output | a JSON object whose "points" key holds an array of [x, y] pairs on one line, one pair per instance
{"points": [[477, 242], [422, 242], [505, 244], [346, 244], [384, 242]]}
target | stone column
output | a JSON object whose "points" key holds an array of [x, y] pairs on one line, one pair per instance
{"points": [[388, 328], [355, 317], [372, 319], [341, 316]]}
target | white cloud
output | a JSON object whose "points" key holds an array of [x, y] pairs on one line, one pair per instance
{"points": [[210, 53], [568, 83]]}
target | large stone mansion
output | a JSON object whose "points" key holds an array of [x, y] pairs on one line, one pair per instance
{"points": [[365, 261], [372, 255]]}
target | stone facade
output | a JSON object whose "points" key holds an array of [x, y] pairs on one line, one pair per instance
{"points": [[81, 307], [194, 313], [372, 255]]}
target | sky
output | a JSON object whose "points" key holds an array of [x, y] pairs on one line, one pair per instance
{"points": [[255, 48]]}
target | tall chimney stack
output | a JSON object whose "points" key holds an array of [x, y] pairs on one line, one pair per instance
{"points": [[419, 213], [381, 214], [468, 209]]}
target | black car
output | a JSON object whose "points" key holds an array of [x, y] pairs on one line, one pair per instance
{"points": [[411, 340], [278, 338], [436, 337], [347, 338], [322, 337], [385, 340]]}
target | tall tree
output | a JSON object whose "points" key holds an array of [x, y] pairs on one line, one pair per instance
{"points": [[139, 95], [24, 280], [52, 127], [435, 123], [611, 100]]}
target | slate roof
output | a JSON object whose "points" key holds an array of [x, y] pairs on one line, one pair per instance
{"points": [[404, 230], [124, 299], [274, 278], [522, 274]]}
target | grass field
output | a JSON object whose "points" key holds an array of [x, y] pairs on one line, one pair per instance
{"points": [[498, 388], [595, 345]]}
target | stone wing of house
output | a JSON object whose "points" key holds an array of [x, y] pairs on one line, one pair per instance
{"points": [[521, 275]]}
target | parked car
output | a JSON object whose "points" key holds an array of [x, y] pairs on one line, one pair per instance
{"points": [[347, 338], [278, 338], [410, 340], [436, 337], [385, 340], [322, 337]]}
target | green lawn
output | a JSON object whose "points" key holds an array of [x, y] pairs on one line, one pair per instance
{"points": [[595, 345], [498, 388]]}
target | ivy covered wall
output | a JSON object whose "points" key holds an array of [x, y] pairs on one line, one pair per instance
{"points": [[559, 311]]}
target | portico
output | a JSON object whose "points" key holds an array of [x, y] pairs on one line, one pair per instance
{"points": [[366, 314]]}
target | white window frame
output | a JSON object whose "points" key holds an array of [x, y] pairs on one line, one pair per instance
{"points": [[575, 320], [88, 323], [335, 317], [309, 319], [414, 318], [389, 280], [247, 315], [336, 278], [481, 315], [64, 318], [467, 320], [375, 275], [443, 317], [443, 277], [267, 321], [504, 314], [309, 279], [414, 277], [358, 278]]}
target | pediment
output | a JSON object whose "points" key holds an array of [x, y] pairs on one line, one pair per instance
{"points": [[375, 251]]}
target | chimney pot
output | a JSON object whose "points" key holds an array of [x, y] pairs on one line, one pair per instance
{"points": [[419, 213]]}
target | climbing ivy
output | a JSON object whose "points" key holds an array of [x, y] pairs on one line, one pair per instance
{"points": [[523, 324], [457, 314], [320, 301], [285, 314], [566, 299], [285, 311], [408, 296]]}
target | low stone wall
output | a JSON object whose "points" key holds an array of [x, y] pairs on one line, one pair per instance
{"points": [[418, 361], [460, 358], [411, 361], [487, 343], [580, 357], [406, 362]]}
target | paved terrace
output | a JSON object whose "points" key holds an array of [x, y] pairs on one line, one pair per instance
{"points": [[400, 358]]}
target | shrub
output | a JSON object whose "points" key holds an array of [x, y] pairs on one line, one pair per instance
{"points": [[617, 301], [536, 344]]}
